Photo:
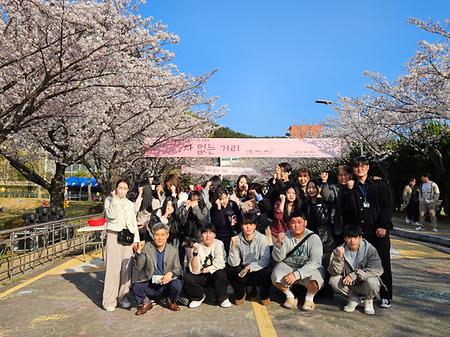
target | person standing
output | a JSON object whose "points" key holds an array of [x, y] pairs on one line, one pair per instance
{"points": [[241, 190], [194, 215], [333, 193], [366, 203], [428, 201], [277, 184], [289, 203], [411, 202], [226, 217], [303, 178], [120, 215]]}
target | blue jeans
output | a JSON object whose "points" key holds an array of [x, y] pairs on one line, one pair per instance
{"points": [[143, 290]]}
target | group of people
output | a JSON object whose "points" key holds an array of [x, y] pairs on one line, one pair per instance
{"points": [[169, 244], [418, 200]]}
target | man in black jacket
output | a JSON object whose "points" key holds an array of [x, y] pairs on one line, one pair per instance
{"points": [[366, 203]]}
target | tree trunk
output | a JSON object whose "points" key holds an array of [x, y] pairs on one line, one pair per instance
{"points": [[57, 186], [89, 191]]}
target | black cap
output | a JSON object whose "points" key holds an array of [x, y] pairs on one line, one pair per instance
{"points": [[360, 160]]}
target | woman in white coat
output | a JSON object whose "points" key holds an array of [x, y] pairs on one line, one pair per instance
{"points": [[120, 214]]}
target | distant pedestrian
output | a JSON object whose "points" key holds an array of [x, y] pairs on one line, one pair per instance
{"points": [[411, 202], [428, 201]]}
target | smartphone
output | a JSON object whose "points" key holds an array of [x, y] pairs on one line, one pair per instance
{"points": [[242, 273]]}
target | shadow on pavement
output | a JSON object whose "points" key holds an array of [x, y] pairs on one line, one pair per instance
{"points": [[90, 284]]}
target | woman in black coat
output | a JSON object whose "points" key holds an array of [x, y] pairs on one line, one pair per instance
{"points": [[319, 214], [226, 217]]}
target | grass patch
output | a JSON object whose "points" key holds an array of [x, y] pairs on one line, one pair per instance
{"points": [[12, 216]]}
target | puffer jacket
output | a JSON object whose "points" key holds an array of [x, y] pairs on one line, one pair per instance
{"points": [[320, 221], [193, 220]]}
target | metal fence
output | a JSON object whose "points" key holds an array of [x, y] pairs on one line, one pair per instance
{"points": [[23, 195], [25, 248]]}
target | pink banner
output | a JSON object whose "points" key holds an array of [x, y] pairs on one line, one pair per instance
{"points": [[221, 170], [245, 147]]}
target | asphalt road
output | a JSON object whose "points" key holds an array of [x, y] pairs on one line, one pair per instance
{"points": [[65, 301]]}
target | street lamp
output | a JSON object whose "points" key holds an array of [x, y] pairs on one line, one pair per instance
{"points": [[323, 101], [328, 102]]}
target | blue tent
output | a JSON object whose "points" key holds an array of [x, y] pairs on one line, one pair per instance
{"points": [[80, 182]]}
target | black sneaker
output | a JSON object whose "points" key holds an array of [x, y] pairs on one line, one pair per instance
{"points": [[385, 303], [183, 301]]}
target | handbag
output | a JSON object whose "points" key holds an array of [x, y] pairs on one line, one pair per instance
{"points": [[125, 237]]}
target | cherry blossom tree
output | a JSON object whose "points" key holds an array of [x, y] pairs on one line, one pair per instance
{"points": [[400, 110], [88, 81], [412, 111]]}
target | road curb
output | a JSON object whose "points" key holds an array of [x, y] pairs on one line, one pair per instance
{"points": [[421, 237]]}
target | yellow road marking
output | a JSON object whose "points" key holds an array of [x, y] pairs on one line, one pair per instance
{"points": [[263, 320], [42, 319], [73, 262], [412, 250]]}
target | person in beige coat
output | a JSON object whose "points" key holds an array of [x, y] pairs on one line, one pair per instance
{"points": [[120, 213]]}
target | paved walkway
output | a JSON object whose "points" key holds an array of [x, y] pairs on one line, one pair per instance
{"points": [[65, 301], [443, 227], [441, 238]]}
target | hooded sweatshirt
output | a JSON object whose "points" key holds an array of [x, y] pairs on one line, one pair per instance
{"points": [[256, 254], [306, 259]]}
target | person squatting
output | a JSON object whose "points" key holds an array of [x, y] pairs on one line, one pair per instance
{"points": [[169, 245]]}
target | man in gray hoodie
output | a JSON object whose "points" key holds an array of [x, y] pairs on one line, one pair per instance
{"points": [[299, 256], [355, 269], [249, 260]]}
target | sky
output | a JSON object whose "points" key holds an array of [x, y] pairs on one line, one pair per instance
{"points": [[275, 58]]}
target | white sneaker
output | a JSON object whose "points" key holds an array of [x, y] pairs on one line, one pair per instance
{"points": [[435, 229], [385, 303], [110, 309], [226, 304], [196, 304], [368, 307], [419, 228], [353, 302], [407, 220], [125, 303]]}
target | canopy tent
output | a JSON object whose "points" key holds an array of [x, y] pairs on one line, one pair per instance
{"points": [[80, 182]]}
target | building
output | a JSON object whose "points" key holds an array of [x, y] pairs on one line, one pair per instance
{"points": [[304, 131]]}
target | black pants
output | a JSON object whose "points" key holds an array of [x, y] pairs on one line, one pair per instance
{"points": [[260, 278], [194, 285], [412, 212], [383, 246]]}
